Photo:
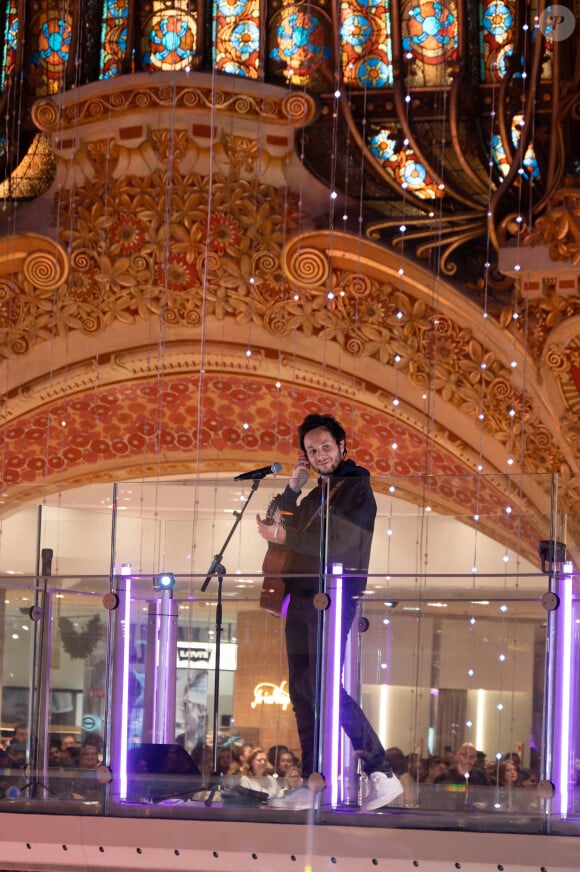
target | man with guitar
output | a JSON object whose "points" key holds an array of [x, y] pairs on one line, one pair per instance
{"points": [[351, 517]]}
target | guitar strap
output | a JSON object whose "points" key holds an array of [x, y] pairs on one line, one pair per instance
{"points": [[319, 509]]}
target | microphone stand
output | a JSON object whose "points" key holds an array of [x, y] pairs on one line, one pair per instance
{"points": [[217, 568]]}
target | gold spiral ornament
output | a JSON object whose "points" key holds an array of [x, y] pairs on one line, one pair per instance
{"points": [[45, 114], [556, 359], [190, 98], [308, 267], [142, 99], [298, 108], [265, 262], [118, 100], [354, 346], [81, 259], [46, 269], [92, 321], [140, 263], [244, 105], [500, 389], [358, 286], [211, 263], [276, 320]]}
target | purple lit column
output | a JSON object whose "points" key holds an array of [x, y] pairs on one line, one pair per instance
{"points": [[330, 733], [562, 762]]}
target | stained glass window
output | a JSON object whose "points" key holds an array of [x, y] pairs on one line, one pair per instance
{"points": [[169, 37], [496, 34], [400, 161], [530, 163], [430, 39], [237, 37], [10, 44], [301, 36], [113, 37], [365, 36], [52, 29]]}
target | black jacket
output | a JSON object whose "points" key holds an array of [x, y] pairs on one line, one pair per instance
{"points": [[351, 523]]}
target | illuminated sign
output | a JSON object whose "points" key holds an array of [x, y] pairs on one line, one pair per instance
{"points": [[267, 693], [201, 655]]}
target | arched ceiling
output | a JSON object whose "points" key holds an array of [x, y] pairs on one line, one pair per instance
{"points": [[181, 232]]}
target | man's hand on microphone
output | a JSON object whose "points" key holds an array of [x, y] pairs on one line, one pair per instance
{"points": [[271, 532], [300, 474]]}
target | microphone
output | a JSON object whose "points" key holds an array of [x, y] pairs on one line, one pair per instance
{"points": [[259, 473]]}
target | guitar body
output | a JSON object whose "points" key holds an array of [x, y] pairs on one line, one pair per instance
{"points": [[273, 591], [276, 563]]}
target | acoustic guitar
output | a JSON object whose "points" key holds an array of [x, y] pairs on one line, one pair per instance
{"points": [[276, 563], [278, 560]]}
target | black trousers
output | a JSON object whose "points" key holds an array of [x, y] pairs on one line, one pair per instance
{"points": [[301, 649]]}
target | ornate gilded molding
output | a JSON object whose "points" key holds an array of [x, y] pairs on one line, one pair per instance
{"points": [[334, 289], [249, 261], [559, 228], [176, 93], [43, 263]]}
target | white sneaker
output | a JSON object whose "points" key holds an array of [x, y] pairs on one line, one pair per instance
{"points": [[384, 787]]}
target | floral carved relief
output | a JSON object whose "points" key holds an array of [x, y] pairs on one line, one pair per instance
{"points": [[143, 247], [182, 247]]}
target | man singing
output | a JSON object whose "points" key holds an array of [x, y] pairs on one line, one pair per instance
{"points": [[351, 517]]}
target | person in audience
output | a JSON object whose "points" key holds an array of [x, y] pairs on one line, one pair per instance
{"points": [[528, 778], [469, 776], [17, 747], [400, 766], [257, 775], [10, 774], [510, 795], [70, 749], [244, 753], [54, 757], [285, 761], [514, 758], [463, 769], [84, 784], [57, 778], [227, 762], [274, 755], [417, 768], [436, 766], [292, 779]]}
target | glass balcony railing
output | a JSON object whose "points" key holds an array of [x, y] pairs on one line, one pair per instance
{"points": [[141, 661]]}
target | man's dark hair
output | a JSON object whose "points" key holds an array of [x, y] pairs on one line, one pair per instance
{"points": [[311, 422]]}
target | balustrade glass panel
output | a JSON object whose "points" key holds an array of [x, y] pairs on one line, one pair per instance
{"points": [[448, 647]]}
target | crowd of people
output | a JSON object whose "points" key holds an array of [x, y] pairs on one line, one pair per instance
{"points": [[453, 781], [72, 767], [466, 780]]}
